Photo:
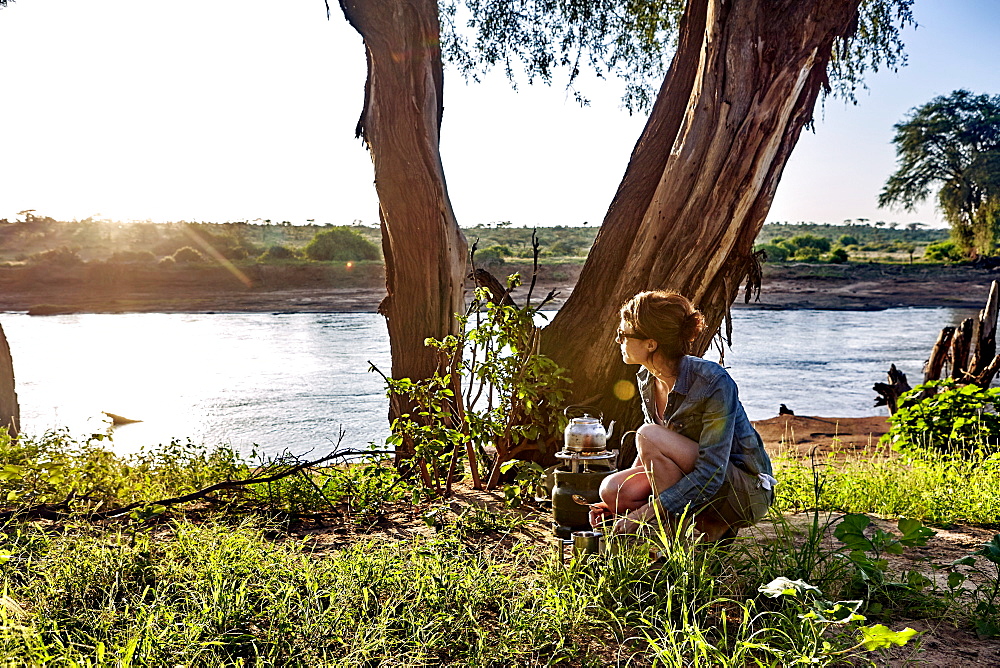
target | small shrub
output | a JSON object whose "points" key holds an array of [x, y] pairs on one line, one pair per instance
{"points": [[188, 255], [838, 256], [61, 256], [279, 252], [489, 257], [950, 417], [847, 240], [773, 252], [943, 251], [340, 244], [808, 241]]}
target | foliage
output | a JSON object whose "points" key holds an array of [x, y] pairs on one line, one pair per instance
{"points": [[952, 143], [279, 252], [339, 244], [839, 256], [513, 395], [947, 416], [630, 40], [187, 255], [57, 256], [773, 252], [943, 251]]}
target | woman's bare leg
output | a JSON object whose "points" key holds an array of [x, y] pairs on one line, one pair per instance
{"points": [[666, 455], [664, 458]]}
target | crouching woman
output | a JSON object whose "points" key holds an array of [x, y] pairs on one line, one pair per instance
{"points": [[697, 451]]}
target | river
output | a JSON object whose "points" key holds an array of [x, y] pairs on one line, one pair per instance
{"points": [[278, 382]]}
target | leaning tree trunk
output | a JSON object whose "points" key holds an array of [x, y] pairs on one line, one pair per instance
{"points": [[10, 416], [701, 178], [425, 251]]}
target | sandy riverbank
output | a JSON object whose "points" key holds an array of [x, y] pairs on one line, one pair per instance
{"points": [[104, 288]]}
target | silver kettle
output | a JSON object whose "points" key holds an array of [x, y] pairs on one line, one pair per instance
{"points": [[586, 435]]}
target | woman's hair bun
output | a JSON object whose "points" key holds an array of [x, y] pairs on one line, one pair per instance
{"points": [[693, 326]]}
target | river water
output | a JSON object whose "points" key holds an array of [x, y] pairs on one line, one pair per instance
{"points": [[292, 381]]}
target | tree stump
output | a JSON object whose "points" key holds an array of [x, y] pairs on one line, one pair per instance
{"points": [[10, 415]]}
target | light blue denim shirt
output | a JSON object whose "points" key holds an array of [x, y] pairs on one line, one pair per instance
{"points": [[705, 406]]}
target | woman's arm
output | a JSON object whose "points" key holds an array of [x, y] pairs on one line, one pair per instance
{"points": [[714, 446]]}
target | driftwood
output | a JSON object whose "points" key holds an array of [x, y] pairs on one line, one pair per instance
{"points": [[939, 355], [967, 354], [890, 392], [961, 346]]}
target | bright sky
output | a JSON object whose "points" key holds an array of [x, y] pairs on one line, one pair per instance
{"points": [[222, 110]]}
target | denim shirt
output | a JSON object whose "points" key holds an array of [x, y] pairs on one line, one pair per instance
{"points": [[704, 406]]}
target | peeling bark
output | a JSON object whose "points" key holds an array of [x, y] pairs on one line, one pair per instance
{"points": [[701, 178], [425, 251]]}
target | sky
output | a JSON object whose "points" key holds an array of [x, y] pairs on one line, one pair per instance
{"points": [[224, 110]]}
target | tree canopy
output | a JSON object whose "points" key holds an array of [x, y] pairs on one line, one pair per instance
{"points": [[952, 143], [630, 39]]}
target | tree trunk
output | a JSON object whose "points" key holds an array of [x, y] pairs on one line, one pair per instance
{"points": [[701, 178], [425, 251], [10, 415]]}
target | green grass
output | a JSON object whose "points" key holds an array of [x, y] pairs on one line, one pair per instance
{"points": [[932, 487], [226, 587]]}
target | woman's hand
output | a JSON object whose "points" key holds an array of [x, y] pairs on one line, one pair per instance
{"points": [[598, 512]]}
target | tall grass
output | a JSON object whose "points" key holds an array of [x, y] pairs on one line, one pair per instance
{"points": [[929, 486]]}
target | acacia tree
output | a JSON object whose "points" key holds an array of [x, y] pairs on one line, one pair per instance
{"points": [[952, 143], [742, 84]]}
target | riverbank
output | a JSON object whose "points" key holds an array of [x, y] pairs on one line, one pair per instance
{"points": [[359, 287]]}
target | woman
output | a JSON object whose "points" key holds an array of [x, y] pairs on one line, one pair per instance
{"points": [[697, 451]]}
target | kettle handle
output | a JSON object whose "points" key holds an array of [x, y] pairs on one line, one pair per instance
{"points": [[584, 411]]}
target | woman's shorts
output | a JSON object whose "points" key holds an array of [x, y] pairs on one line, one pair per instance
{"points": [[741, 501]]}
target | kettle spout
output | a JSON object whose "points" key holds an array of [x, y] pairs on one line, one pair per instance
{"points": [[611, 428]]}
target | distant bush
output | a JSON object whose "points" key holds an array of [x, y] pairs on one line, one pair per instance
{"points": [[565, 249], [774, 252], [279, 252], [847, 240], [339, 244], [489, 257], [943, 251], [64, 256], [187, 255], [838, 256], [143, 256], [808, 241]]}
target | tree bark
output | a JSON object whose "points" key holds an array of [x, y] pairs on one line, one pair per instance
{"points": [[425, 251], [10, 413], [701, 178]]}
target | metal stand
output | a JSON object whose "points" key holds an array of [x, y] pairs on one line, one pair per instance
{"points": [[580, 462]]}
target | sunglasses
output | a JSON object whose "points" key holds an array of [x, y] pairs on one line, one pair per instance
{"points": [[622, 335]]}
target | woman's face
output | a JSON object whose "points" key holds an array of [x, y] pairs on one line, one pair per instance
{"points": [[634, 350]]}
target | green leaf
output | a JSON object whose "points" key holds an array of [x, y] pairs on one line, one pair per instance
{"points": [[914, 532], [955, 579], [850, 531], [990, 550], [880, 636]]}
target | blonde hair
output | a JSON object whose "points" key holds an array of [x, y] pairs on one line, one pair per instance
{"points": [[667, 317]]}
